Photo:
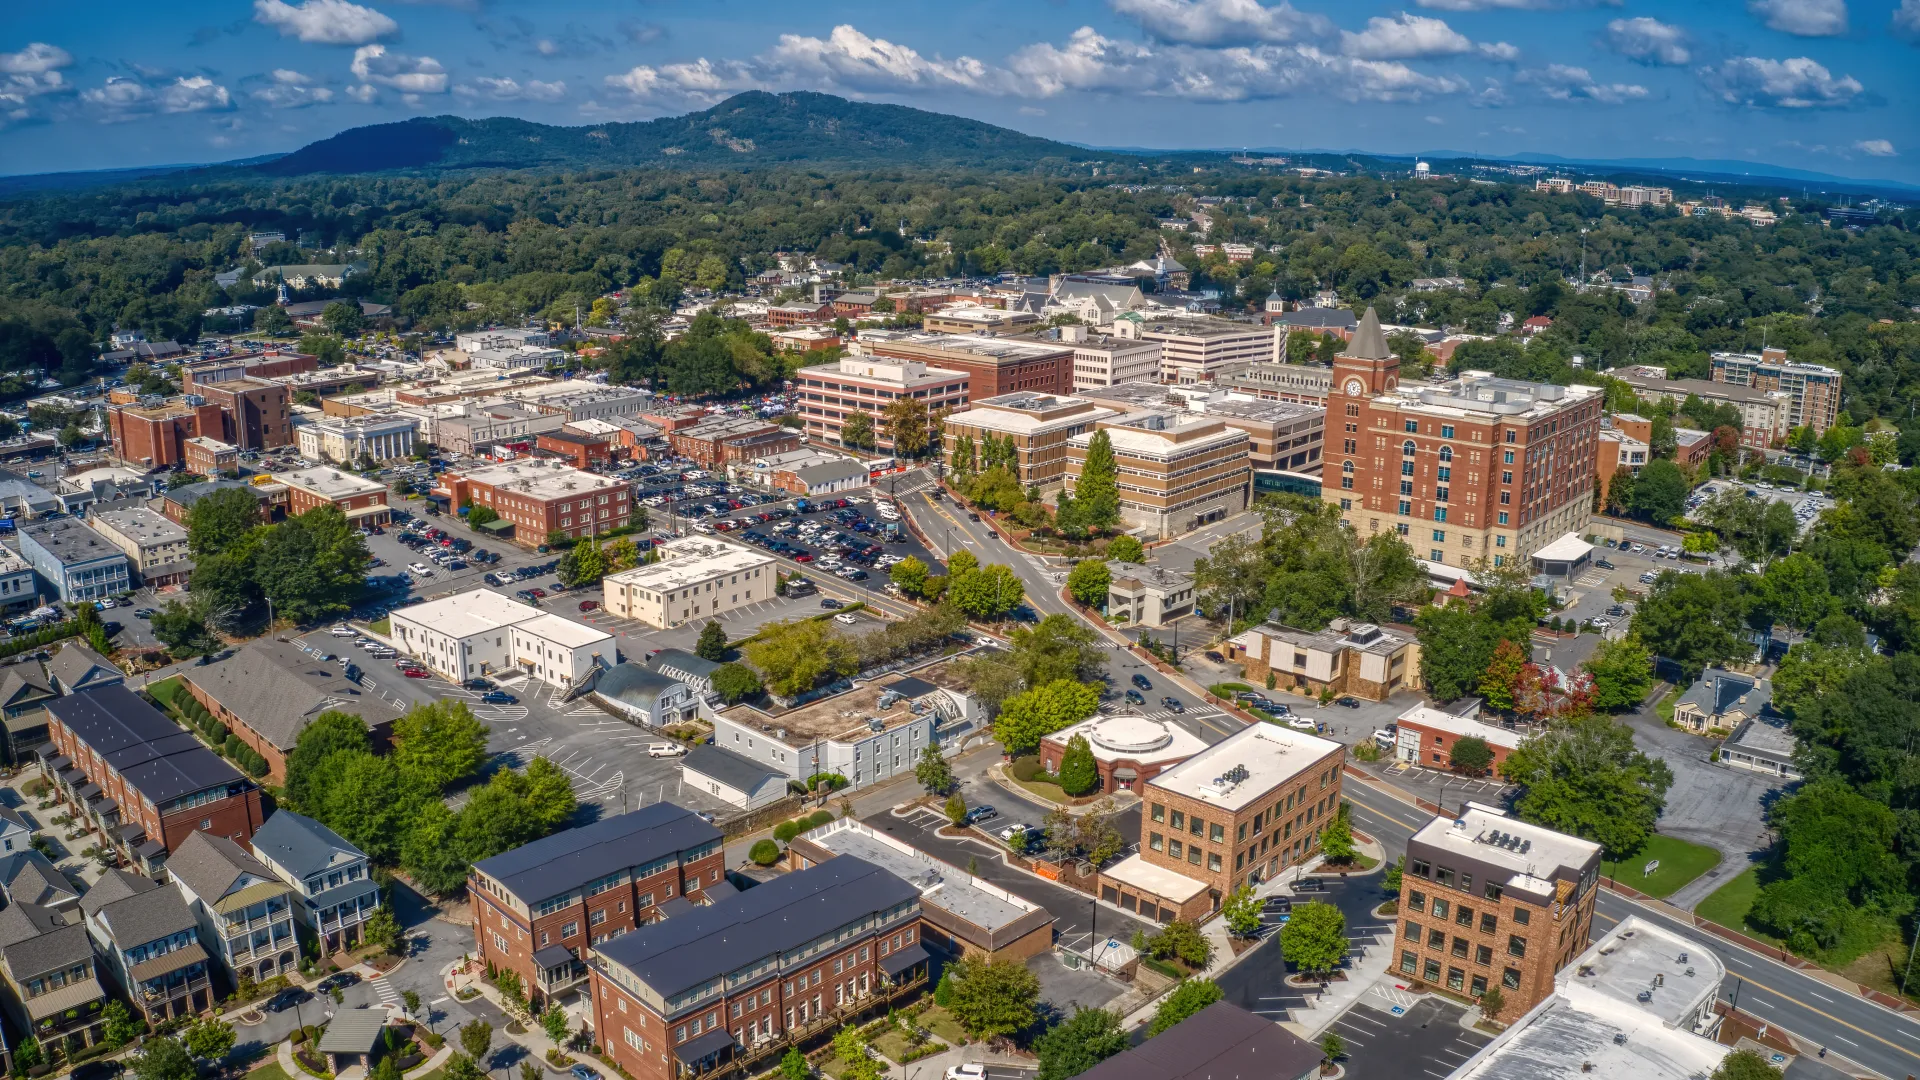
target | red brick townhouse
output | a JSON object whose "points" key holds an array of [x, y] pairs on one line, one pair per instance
{"points": [[730, 986], [538, 908], [142, 781]]}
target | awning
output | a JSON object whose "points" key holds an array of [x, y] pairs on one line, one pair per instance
{"points": [[552, 956], [87, 791], [359, 512], [168, 964], [149, 849], [253, 894], [107, 806], [696, 1050], [903, 959], [71, 776], [353, 1031], [71, 996], [57, 762], [1125, 773], [132, 831]]}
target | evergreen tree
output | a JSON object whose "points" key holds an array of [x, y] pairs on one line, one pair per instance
{"points": [[1079, 773], [1096, 495], [713, 642]]}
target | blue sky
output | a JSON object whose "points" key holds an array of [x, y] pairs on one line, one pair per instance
{"points": [[1827, 85]]}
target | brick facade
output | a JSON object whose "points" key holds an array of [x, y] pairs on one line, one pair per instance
{"points": [[1281, 828], [254, 415], [157, 437]]}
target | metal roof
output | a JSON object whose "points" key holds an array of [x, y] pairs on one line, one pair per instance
{"points": [[736, 771], [353, 1031], [680, 953], [155, 756], [567, 860], [300, 844]]}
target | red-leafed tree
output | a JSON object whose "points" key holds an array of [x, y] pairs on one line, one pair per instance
{"points": [[1502, 676]]}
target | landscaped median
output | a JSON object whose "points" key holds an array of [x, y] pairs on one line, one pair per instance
{"points": [[1679, 863]]}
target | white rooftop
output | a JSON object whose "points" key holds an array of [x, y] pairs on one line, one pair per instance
{"points": [[1245, 766], [1596, 1024], [1154, 880], [1133, 738], [1489, 835], [541, 478], [1459, 725], [1016, 414], [690, 561], [1135, 434], [979, 902], [564, 632], [1567, 548], [330, 483], [468, 613]]}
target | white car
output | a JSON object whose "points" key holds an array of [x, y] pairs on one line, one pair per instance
{"points": [[420, 570], [845, 618], [343, 631], [665, 749], [972, 1070], [1301, 723]]}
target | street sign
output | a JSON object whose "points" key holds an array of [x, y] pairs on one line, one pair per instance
{"points": [[1652, 865]]}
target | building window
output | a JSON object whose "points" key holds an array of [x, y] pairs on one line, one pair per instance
{"points": [[1522, 916], [1489, 922], [1413, 931], [1483, 955], [1406, 508], [1155, 841], [1439, 536], [1416, 901], [1436, 939], [1409, 963], [1510, 978], [1446, 431], [1412, 426], [1432, 971], [1516, 945], [1479, 985], [1440, 908]]}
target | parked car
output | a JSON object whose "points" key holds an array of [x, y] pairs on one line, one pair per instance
{"points": [[829, 602], [581, 1072], [982, 813], [339, 980], [1216, 657], [1348, 702], [287, 999], [665, 749], [343, 631], [843, 617], [971, 1070], [589, 605], [1277, 905], [1603, 564], [498, 697], [415, 673], [1301, 723]]}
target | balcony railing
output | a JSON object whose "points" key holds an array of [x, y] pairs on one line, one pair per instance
{"points": [[751, 1060]]}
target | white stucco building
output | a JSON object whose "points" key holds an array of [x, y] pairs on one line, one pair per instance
{"points": [[482, 633]]}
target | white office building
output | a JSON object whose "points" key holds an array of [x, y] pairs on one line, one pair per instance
{"points": [[481, 633]]}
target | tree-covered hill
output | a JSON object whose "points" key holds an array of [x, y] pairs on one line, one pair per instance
{"points": [[754, 128]]}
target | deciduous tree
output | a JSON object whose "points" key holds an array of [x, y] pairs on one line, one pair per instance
{"points": [[1183, 1001], [993, 998], [440, 743], [1079, 773], [1028, 717], [1314, 940], [1089, 581], [1078, 1043], [1587, 778]]}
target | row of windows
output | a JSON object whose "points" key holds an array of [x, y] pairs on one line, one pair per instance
{"points": [[1457, 980]]}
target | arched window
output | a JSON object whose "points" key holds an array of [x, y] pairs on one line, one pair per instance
{"points": [[1406, 448], [1446, 453], [1346, 466]]}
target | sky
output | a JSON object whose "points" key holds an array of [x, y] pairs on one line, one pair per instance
{"points": [[1825, 85]]}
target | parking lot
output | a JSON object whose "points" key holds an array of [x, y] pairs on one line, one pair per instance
{"points": [[1394, 1036]]}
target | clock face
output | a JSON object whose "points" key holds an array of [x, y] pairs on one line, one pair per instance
{"points": [[1354, 387]]}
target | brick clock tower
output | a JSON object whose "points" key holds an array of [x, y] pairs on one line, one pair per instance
{"points": [[1364, 369]]}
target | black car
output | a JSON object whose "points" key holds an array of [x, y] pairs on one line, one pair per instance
{"points": [[1216, 657], [1603, 564], [1141, 682], [287, 999], [829, 602], [1348, 703], [339, 980]]}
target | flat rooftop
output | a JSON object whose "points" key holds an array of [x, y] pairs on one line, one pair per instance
{"points": [[541, 478], [1767, 734], [980, 903], [690, 562], [330, 483], [563, 632], [1031, 414], [145, 527], [1011, 349], [1460, 726], [1534, 854], [1272, 412], [1133, 738], [468, 613], [1597, 1025], [1339, 634], [1135, 432], [1243, 768], [1206, 329], [845, 716]]}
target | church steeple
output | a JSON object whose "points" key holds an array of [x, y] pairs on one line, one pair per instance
{"points": [[1366, 366], [1368, 342]]}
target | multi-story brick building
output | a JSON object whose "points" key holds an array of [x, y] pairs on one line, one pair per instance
{"points": [[1477, 468], [867, 384], [1038, 425], [1302, 383], [1176, 471], [363, 501], [736, 983], [1198, 350], [141, 781], [539, 908], [993, 366], [208, 456], [254, 415], [722, 441], [1488, 899], [1127, 750], [1812, 389], [1766, 416], [1426, 736], [1348, 657], [540, 496], [271, 364], [576, 448], [1244, 809], [155, 435]]}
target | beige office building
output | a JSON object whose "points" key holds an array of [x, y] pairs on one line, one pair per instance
{"points": [[1038, 424], [1177, 471], [1199, 350], [696, 579]]}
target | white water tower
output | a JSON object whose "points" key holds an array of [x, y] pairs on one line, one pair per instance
{"points": [[1421, 170]]}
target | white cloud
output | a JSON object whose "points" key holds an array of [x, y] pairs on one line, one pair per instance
{"points": [[36, 59], [1563, 82], [1404, 37], [364, 93], [123, 98], [1798, 83], [1876, 148], [1802, 18], [507, 89], [1030, 110], [1223, 22], [1436, 121], [1649, 41], [324, 22], [396, 71], [847, 57], [699, 82], [1497, 5], [1906, 19], [291, 90]]}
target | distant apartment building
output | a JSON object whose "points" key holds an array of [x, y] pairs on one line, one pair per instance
{"points": [[1038, 425], [868, 384], [1480, 467], [536, 497], [254, 415], [475, 341], [1177, 471], [734, 984], [1490, 900], [78, 564], [245, 912], [157, 547], [1813, 390], [540, 909], [1239, 812], [1766, 416], [1198, 350], [992, 366], [1280, 434], [208, 456], [270, 364], [1618, 451]]}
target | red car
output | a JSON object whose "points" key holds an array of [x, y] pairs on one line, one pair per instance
{"points": [[588, 605], [538, 593], [803, 557], [415, 673]]}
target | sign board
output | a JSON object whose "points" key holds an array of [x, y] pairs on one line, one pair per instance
{"points": [[1652, 865]]}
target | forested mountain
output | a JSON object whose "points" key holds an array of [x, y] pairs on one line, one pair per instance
{"points": [[754, 128]]}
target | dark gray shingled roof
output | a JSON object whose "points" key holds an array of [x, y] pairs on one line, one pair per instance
{"points": [[737, 771], [278, 689], [1220, 1042], [29, 877], [38, 940], [155, 756], [149, 916], [567, 860], [301, 844], [682, 952]]}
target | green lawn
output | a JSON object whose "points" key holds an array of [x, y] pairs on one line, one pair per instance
{"points": [[382, 626], [941, 1023], [1665, 707], [164, 690], [1728, 905], [1680, 862], [269, 1070]]}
